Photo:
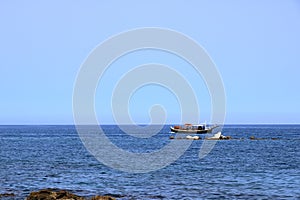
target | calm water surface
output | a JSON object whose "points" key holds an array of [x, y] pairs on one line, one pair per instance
{"points": [[37, 157]]}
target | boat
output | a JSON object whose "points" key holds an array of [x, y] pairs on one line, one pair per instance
{"points": [[190, 128]]}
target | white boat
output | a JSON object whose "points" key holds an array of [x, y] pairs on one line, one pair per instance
{"points": [[190, 128]]}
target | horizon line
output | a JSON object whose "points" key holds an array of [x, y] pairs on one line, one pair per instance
{"points": [[139, 124]]}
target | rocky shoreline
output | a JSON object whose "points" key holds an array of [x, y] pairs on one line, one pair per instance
{"points": [[53, 194]]}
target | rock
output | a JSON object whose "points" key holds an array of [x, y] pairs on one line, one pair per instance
{"points": [[189, 137], [7, 195], [252, 138], [53, 194], [222, 137], [196, 138], [192, 137], [172, 137], [225, 138]]}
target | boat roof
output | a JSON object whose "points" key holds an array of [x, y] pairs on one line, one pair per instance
{"points": [[194, 124]]}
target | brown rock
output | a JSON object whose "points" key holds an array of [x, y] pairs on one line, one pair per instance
{"points": [[252, 138], [53, 194], [7, 195]]}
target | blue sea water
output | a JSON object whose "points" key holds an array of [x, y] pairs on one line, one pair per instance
{"points": [[37, 157]]}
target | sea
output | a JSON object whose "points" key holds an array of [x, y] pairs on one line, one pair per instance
{"points": [[34, 157]]}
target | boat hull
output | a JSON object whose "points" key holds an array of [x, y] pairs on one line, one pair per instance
{"points": [[209, 130]]}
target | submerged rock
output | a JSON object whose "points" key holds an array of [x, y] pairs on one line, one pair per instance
{"points": [[7, 195], [53, 194], [274, 138], [222, 137], [252, 138]]}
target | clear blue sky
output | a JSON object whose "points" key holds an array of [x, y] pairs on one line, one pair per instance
{"points": [[255, 45]]}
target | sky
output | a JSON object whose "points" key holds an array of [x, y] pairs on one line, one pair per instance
{"points": [[254, 44]]}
